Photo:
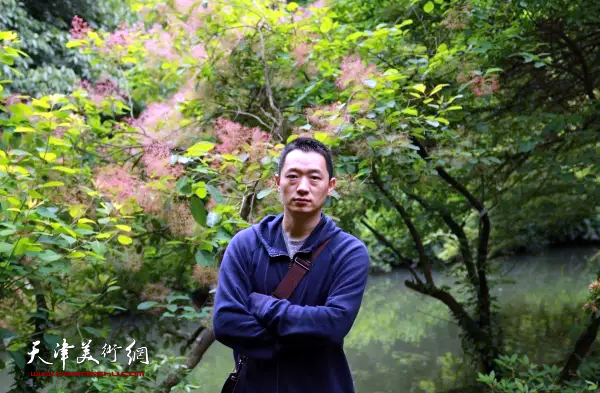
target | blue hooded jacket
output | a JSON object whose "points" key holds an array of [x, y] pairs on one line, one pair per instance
{"points": [[293, 345]]}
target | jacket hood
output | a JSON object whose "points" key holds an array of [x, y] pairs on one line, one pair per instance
{"points": [[270, 233]]}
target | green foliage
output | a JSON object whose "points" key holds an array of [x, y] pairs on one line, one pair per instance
{"points": [[43, 28], [522, 375]]}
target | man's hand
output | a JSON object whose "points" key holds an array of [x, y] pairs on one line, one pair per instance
{"points": [[259, 304]]}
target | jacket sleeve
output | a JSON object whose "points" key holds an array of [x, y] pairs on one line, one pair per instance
{"points": [[233, 324], [330, 322]]}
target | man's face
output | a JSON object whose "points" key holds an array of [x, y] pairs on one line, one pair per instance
{"points": [[304, 183]]}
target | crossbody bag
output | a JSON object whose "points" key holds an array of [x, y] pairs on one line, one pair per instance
{"points": [[284, 290]]}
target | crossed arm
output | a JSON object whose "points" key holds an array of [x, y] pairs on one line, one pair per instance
{"points": [[259, 325]]}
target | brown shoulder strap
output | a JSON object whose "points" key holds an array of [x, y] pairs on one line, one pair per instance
{"points": [[297, 271]]}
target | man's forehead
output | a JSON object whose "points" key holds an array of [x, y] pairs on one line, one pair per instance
{"points": [[304, 161]]}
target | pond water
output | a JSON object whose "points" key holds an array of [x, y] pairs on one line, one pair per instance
{"points": [[406, 342]]}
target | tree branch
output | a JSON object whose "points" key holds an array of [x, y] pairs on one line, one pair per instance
{"points": [[582, 346], [268, 86], [407, 220], [487, 353], [588, 82], [381, 238], [484, 235], [455, 228], [203, 342]]}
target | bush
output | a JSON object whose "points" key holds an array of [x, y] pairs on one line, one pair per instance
{"points": [[521, 375]]}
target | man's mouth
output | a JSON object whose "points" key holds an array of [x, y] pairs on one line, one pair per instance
{"points": [[301, 200]]}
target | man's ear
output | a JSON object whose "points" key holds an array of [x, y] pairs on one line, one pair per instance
{"points": [[277, 180], [332, 184]]}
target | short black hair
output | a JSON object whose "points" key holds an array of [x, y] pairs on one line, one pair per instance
{"points": [[307, 145]]}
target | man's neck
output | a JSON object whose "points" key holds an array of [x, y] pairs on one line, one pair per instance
{"points": [[300, 226]]}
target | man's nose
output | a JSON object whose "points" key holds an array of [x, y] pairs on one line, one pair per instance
{"points": [[303, 185]]}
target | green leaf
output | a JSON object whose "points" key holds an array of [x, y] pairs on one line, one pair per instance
{"points": [[215, 193], [65, 169], [367, 123], [410, 111], [97, 247], [24, 129], [51, 340], [429, 6], [8, 35], [49, 256], [18, 358], [124, 239], [198, 210], [204, 258], [419, 87], [74, 44], [200, 149], [264, 193], [326, 25], [438, 88], [94, 331], [172, 298], [5, 333], [525, 146], [46, 212], [183, 185], [7, 232], [53, 184], [306, 92], [146, 305], [201, 190], [172, 307]]}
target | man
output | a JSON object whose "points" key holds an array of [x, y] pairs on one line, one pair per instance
{"points": [[293, 345]]}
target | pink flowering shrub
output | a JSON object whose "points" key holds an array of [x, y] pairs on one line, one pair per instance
{"points": [[306, 12], [156, 160], [123, 186], [300, 53], [160, 125], [79, 28], [480, 86], [594, 302], [117, 181], [116, 43], [104, 88], [354, 72], [232, 136], [161, 45]]}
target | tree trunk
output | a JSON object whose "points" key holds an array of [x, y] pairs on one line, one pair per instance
{"points": [[482, 340], [203, 342], [582, 346], [23, 380]]}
